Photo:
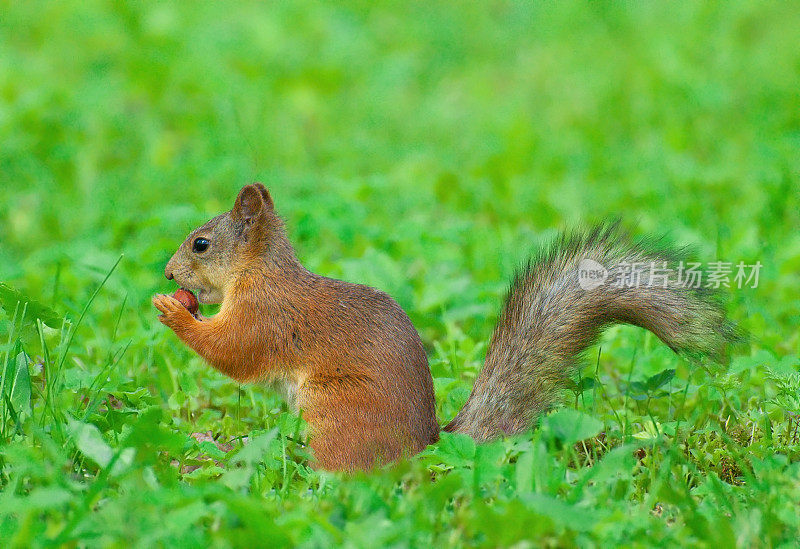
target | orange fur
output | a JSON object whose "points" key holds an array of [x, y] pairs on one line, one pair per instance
{"points": [[355, 362]]}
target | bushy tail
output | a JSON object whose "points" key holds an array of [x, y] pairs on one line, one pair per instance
{"points": [[553, 313]]}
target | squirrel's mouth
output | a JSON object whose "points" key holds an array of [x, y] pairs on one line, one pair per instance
{"points": [[207, 296], [201, 294]]}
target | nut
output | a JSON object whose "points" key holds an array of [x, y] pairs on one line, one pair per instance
{"points": [[188, 300]]}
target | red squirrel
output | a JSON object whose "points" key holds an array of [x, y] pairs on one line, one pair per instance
{"points": [[349, 357]]}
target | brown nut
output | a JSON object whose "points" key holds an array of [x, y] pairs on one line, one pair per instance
{"points": [[187, 299]]}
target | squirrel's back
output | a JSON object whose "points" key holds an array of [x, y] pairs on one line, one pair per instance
{"points": [[368, 391]]}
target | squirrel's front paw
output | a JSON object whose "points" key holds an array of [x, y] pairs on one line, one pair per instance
{"points": [[174, 314]]}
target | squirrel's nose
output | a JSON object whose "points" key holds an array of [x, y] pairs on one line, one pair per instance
{"points": [[169, 268]]}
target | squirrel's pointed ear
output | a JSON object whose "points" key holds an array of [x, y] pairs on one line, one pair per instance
{"points": [[265, 195], [249, 206]]}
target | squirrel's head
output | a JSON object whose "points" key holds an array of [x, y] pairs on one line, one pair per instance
{"points": [[214, 255]]}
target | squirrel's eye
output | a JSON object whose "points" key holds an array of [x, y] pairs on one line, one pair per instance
{"points": [[199, 245]]}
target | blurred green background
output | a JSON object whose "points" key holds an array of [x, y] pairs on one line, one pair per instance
{"points": [[441, 139], [424, 148]]}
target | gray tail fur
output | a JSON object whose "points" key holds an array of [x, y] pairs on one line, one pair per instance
{"points": [[551, 315]]}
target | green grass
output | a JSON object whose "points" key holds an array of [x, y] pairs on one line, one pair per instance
{"points": [[425, 149]]}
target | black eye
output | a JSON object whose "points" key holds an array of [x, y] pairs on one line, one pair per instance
{"points": [[199, 245]]}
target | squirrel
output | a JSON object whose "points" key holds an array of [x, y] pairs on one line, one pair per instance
{"points": [[348, 356]]}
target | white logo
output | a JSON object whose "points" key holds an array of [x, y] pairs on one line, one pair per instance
{"points": [[591, 274]]}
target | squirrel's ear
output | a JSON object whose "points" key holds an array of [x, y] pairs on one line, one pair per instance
{"points": [[249, 205], [265, 195]]}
